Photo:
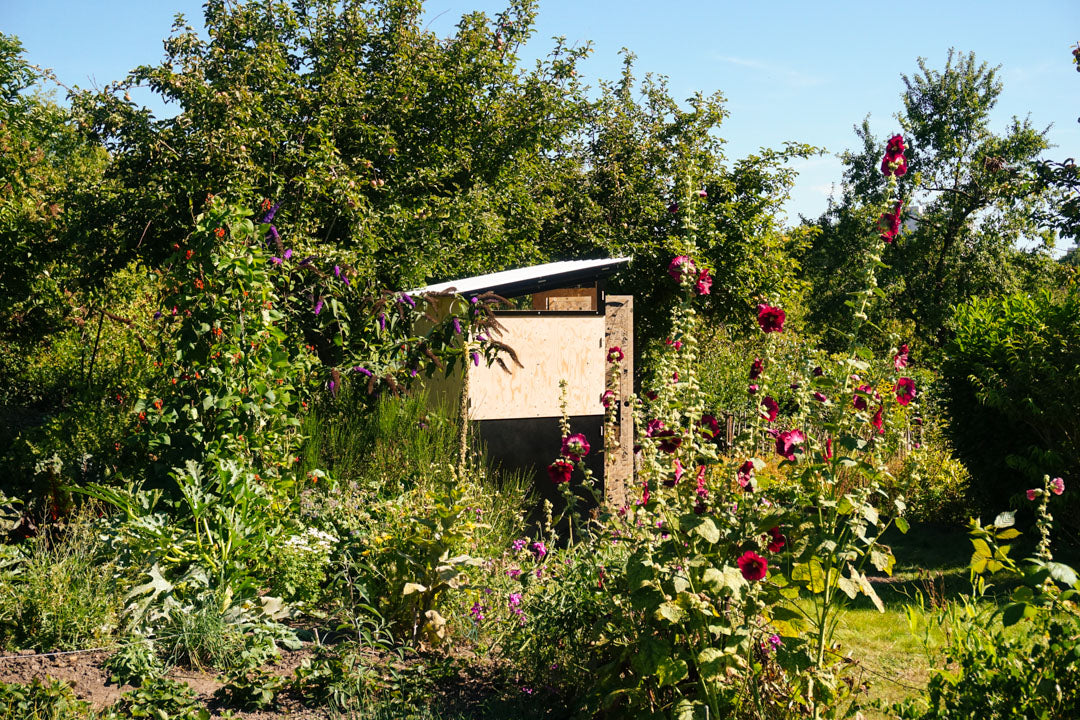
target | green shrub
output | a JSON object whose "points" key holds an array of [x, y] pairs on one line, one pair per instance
{"points": [[934, 484], [1012, 386], [41, 700], [61, 593]]}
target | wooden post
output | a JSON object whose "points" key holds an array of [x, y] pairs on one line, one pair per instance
{"points": [[619, 464]]}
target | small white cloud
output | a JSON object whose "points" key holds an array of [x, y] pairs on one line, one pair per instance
{"points": [[791, 77]]}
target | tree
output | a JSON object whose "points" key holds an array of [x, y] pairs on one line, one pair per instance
{"points": [[971, 203]]}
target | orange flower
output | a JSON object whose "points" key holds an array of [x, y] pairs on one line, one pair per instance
{"points": [[220, 232]]}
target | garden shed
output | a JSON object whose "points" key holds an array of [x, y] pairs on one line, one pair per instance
{"points": [[561, 323]]}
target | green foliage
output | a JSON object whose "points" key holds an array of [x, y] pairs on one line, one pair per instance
{"points": [[935, 484], [41, 700], [984, 670], [160, 699], [133, 664], [1011, 386], [59, 590], [970, 226]]}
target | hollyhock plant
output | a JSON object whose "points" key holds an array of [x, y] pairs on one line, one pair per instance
{"points": [[680, 267], [669, 441], [745, 474], [878, 422], [1032, 493], [560, 471], [756, 368], [900, 360], [860, 396], [770, 319], [1057, 486], [615, 354], [777, 540], [710, 427], [905, 390], [894, 162], [889, 223], [704, 282], [752, 566], [787, 442], [769, 409], [575, 446]]}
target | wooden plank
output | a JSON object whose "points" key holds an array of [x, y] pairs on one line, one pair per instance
{"points": [[565, 299], [551, 348], [619, 462]]}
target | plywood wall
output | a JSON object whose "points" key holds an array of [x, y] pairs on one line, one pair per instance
{"points": [[551, 348]]}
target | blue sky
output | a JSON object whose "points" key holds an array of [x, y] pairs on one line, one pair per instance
{"points": [[800, 71]]}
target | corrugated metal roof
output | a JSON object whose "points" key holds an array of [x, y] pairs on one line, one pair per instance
{"points": [[523, 281]]}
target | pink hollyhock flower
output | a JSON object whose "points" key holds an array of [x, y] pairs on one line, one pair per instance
{"points": [[900, 360], [575, 445], [820, 396], [786, 442], [704, 282], [745, 473], [771, 319], [701, 490], [653, 427], [607, 398], [669, 441], [678, 475], [615, 354], [1057, 486], [677, 344], [769, 409], [827, 455], [755, 368], [1032, 494], [752, 566], [710, 427], [905, 390], [752, 389], [778, 540], [560, 471], [878, 422], [644, 494], [680, 267]]}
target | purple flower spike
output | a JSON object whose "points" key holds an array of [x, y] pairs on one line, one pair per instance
{"points": [[288, 253], [337, 271], [157, 315], [457, 326], [382, 321], [271, 213], [362, 370], [275, 260], [318, 306], [476, 359], [274, 233], [405, 298], [332, 386]]}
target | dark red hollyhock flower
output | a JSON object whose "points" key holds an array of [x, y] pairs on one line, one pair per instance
{"points": [[778, 540], [560, 471], [755, 368], [900, 360], [653, 427], [820, 396], [895, 145], [745, 473], [615, 354], [704, 282], [889, 224], [860, 402], [878, 422], [669, 441], [905, 390], [680, 267], [607, 399], [769, 409], [771, 319], [786, 442], [575, 445], [894, 162], [752, 566], [710, 427], [827, 455], [651, 394], [818, 372]]}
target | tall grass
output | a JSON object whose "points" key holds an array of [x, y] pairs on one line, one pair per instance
{"points": [[58, 590]]}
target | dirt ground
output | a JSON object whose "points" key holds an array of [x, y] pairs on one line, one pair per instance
{"points": [[83, 671]]}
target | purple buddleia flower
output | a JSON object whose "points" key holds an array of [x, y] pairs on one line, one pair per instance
{"points": [[318, 306], [288, 253], [337, 271], [362, 371], [476, 359], [382, 321], [457, 326], [405, 298], [275, 260], [274, 233], [157, 315], [271, 213]]}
